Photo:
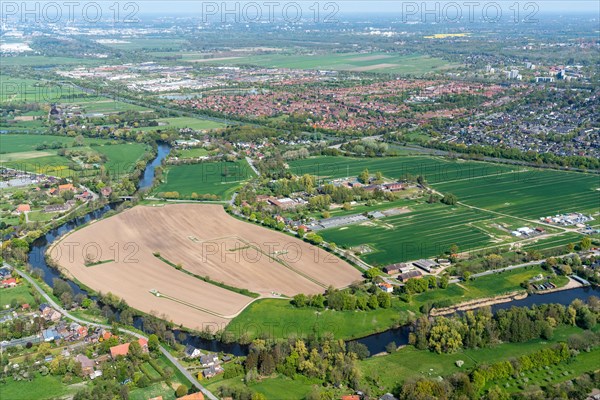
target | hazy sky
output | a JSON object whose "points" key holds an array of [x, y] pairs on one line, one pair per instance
{"points": [[362, 6]]}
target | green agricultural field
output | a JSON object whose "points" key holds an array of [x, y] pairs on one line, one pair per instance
{"points": [[531, 194], [183, 122], [555, 241], [435, 169], [173, 44], [427, 230], [388, 371], [33, 90], [44, 61], [278, 318], [218, 178], [370, 62], [19, 152]]}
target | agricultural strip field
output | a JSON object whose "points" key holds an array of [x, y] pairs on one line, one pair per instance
{"points": [[218, 178], [532, 194], [435, 169], [428, 230], [207, 242], [375, 62]]}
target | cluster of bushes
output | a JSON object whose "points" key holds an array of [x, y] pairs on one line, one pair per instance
{"points": [[481, 328]]}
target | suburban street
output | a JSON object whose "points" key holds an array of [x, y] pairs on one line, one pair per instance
{"points": [[64, 312]]}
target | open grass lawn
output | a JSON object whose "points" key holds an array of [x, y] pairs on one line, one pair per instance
{"points": [[42, 387], [219, 178], [278, 318], [12, 143], [282, 387], [428, 230], [22, 293], [152, 391], [183, 122], [408, 362], [374, 62], [40, 215]]}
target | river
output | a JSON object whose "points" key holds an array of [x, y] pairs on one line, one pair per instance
{"points": [[149, 173], [376, 343]]}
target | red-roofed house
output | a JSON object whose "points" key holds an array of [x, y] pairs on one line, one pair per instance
{"points": [[119, 350], [193, 396], [65, 187], [23, 208], [10, 282], [351, 397], [143, 344]]}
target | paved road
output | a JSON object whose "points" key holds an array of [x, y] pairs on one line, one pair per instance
{"points": [[64, 312]]}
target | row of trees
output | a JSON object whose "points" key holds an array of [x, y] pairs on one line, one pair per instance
{"points": [[345, 300]]}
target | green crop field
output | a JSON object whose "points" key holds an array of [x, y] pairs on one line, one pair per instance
{"points": [[435, 169], [531, 194], [184, 122], [555, 241], [149, 44], [32, 90], [506, 193], [373, 62], [44, 61], [278, 318], [19, 152], [218, 178], [428, 230]]}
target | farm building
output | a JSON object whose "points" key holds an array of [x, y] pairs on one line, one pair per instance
{"points": [[415, 274], [397, 268], [426, 265], [193, 396], [87, 365]]}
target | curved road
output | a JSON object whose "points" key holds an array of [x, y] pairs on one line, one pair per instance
{"points": [[64, 312]]}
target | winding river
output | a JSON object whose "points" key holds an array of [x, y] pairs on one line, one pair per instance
{"points": [[376, 343]]}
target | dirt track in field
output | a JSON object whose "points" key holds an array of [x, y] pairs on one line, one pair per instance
{"points": [[205, 241]]}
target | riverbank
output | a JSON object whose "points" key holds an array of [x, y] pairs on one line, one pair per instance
{"points": [[478, 303]]}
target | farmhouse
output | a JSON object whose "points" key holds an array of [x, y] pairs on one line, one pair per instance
{"points": [[394, 187], [425, 265], [56, 208], [123, 349], [415, 274], [386, 287], [193, 396]]}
